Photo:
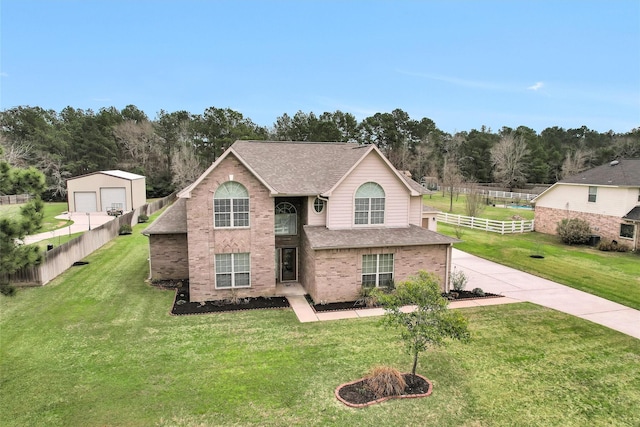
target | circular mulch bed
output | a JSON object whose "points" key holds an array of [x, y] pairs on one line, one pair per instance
{"points": [[357, 395]]}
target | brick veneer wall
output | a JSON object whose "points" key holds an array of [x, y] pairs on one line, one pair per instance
{"points": [[169, 256], [605, 226], [338, 272], [205, 241]]}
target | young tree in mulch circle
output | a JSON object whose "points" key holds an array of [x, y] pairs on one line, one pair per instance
{"points": [[431, 323]]}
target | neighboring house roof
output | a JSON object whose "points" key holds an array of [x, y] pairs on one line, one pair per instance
{"points": [[633, 214], [117, 173], [624, 172], [322, 238], [618, 173], [172, 221], [302, 168]]}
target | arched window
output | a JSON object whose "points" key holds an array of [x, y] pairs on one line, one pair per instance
{"points": [[231, 205], [369, 206], [286, 219]]}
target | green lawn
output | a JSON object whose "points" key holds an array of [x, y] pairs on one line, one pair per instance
{"points": [[97, 347], [498, 212], [49, 222]]}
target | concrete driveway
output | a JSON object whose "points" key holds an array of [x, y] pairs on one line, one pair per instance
{"points": [[498, 279], [81, 222]]}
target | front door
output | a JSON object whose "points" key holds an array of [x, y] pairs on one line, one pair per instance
{"points": [[289, 265]]}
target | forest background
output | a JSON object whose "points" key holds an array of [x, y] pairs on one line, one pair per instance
{"points": [[174, 148]]}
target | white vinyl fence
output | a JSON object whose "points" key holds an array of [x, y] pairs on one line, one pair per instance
{"points": [[502, 227]]}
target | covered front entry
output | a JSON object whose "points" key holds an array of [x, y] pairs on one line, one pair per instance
{"points": [[288, 267]]}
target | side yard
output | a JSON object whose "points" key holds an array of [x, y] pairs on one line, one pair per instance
{"points": [[93, 349]]}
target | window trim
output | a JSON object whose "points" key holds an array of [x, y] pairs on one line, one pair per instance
{"points": [[369, 206], [232, 206], [633, 230], [378, 269], [233, 271], [324, 204], [592, 194]]}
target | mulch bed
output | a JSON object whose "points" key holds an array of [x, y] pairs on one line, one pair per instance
{"points": [[356, 394], [353, 305], [182, 305]]}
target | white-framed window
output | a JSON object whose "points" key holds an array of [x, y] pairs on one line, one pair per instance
{"points": [[286, 219], [377, 270], [233, 270], [593, 194], [627, 230], [231, 205], [318, 205], [369, 204]]}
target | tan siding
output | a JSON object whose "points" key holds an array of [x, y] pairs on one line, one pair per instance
{"points": [[415, 213], [612, 201], [372, 168], [314, 218], [95, 182]]}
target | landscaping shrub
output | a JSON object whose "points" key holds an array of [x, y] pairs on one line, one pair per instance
{"points": [[143, 218], [7, 289], [458, 280], [574, 231], [612, 246], [477, 291], [385, 381], [125, 229]]}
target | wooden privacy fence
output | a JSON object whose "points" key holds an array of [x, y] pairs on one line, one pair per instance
{"points": [[502, 227], [14, 199], [59, 259]]}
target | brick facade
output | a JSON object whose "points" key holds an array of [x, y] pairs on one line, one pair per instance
{"points": [[169, 256], [605, 226], [204, 242], [338, 272]]}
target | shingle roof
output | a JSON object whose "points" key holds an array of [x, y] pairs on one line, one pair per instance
{"points": [[633, 214], [300, 168], [323, 238], [625, 172], [172, 221]]}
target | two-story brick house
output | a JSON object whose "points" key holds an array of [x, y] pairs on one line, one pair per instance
{"points": [[607, 197], [330, 216]]}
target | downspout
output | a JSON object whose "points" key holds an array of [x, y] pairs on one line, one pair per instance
{"points": [[447, 272]]}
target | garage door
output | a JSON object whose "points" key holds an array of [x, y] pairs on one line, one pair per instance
{"points": [[85, 201], [115, 197]]}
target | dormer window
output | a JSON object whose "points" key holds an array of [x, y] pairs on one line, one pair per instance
{"points": [[369, 204]]}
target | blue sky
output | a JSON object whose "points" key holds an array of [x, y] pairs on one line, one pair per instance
{"points": [[463, 64]]}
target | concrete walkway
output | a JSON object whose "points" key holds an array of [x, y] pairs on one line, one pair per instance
{"points": [[515, 285], [81, 222]]}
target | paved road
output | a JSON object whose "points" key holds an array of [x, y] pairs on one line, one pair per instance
{"points": [[81, 222], [515, 284]]}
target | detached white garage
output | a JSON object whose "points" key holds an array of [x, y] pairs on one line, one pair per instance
{"points": [[100, 191]]}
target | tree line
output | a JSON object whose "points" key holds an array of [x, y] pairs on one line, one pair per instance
{"points": [[173, 148]]}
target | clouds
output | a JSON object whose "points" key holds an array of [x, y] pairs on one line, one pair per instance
{"points": [[537, 86]]}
